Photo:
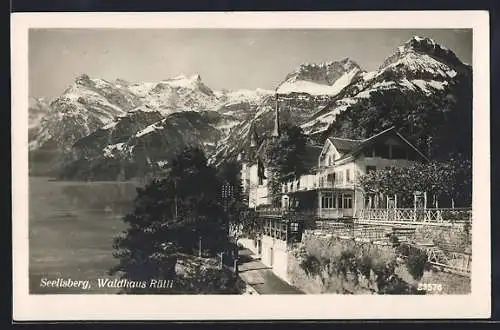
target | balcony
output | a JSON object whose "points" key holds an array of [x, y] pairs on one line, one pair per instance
{"points": [[438, 216], [276, 212], [334, 213]]}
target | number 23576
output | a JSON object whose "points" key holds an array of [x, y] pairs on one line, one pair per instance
{"points": [[437, 287]]}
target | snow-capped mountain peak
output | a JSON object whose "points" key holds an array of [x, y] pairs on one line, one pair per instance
{"points": [[184, 81], [418, 48], [320, 78]]}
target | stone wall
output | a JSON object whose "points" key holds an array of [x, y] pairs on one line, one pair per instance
{"points": [[326, 250], [455, 238], [328, 280]]}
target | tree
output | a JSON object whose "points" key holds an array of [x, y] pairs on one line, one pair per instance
{"points": [[172, 215], [287, 154], [452, 178], [242, 220]]}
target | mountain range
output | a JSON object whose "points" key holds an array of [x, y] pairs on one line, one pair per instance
{"points": [[110, 130]]}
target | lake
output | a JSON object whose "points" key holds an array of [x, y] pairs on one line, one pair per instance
{"points": [[71, 230]]}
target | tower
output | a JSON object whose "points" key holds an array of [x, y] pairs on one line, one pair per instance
{"points": [[276, 131], [253, 137]]}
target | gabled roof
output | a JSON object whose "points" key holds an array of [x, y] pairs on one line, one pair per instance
{"points": [[363, 144], [344, 145]]}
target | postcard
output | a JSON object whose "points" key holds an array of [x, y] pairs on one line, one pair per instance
{"points": [[250, 165]]}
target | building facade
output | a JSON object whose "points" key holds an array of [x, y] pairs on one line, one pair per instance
{"points": [[333, 191]]}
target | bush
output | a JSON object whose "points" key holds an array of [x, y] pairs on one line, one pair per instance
{"points": [[311, 265], [416, 263], [403, 250], [347, 263], [396, 285], [366, 265], [343, 262], [203, 279]]}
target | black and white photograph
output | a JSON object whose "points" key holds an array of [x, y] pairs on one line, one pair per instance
{"points": [[261, 161]]}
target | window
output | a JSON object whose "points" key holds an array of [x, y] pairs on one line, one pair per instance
{"points": [[339, 177], [348, 175], [347, 202], [330, 178], [294, 226], [370, 169], [327, 201], [339, 201]]}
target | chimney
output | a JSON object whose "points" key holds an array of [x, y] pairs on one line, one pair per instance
{"points": [[276, 132]]}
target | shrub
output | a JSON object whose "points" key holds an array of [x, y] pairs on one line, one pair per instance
{"points": [[365, 265], [403, 250], [337, 261], [396, 285], [311, 265], [347, 263], [416, 263]]}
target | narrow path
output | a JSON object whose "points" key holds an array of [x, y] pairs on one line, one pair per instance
{"points": [[261, 277]]}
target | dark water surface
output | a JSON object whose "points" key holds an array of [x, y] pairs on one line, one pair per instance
{"points": [[71, 230]]}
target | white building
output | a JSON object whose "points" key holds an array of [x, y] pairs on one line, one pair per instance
{"points": [[332, 191]]}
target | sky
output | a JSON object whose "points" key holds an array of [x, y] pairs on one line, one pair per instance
{"points": [[225, 58]]}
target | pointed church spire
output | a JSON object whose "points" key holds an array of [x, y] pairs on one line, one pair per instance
{"points": [[276, 131], [253, 136]]}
